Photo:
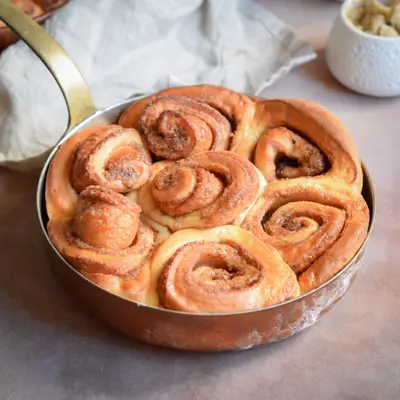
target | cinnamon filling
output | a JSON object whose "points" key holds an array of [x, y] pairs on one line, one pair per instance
{"points": [[283, 154], [112, 159], [214, 266], [180, 190], [310, 227], [176, 127]]}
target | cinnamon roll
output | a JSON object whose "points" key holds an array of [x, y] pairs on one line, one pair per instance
{"points": [[219, 270], [108, 156], [205, 190], [179, 122], [107, 242], [316, 227], [291, 138]]}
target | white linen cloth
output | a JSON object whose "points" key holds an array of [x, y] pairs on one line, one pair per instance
{"points": [[123, 47]]}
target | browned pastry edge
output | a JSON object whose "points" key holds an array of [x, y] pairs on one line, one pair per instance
{"points": [[107, 242], [229, 188], [221, 269], [312, 122], [333, 251], [105, 155], [235, 106]]}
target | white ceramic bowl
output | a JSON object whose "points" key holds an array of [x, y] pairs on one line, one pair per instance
{"points": [[363, 62]]}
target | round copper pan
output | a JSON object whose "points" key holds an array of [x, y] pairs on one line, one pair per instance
{"points": [[203, 332], [163, 327]]}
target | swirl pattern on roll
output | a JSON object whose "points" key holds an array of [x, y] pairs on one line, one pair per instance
{"points": [[294, 138], [219, 270], [176, 127], [316, 227], [179, 122], [107, 242], [205, 190], [108, 156]]}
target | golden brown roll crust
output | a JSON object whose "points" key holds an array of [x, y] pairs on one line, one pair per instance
{"points": [[292, 138], [219, 270], [107, 242], [317, 228], [175, 127], [178, 122], [205, 190], [108, 156]]}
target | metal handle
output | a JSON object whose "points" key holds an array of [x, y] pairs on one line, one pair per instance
{"points": [[69, 79]]}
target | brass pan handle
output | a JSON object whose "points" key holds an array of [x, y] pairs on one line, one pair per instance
{"points": [[69, 79]]}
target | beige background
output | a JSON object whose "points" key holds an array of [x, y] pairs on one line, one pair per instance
{"points": [[50, 350]]}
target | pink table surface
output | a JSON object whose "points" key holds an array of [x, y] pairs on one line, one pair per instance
{"points": [[49, 349]]}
